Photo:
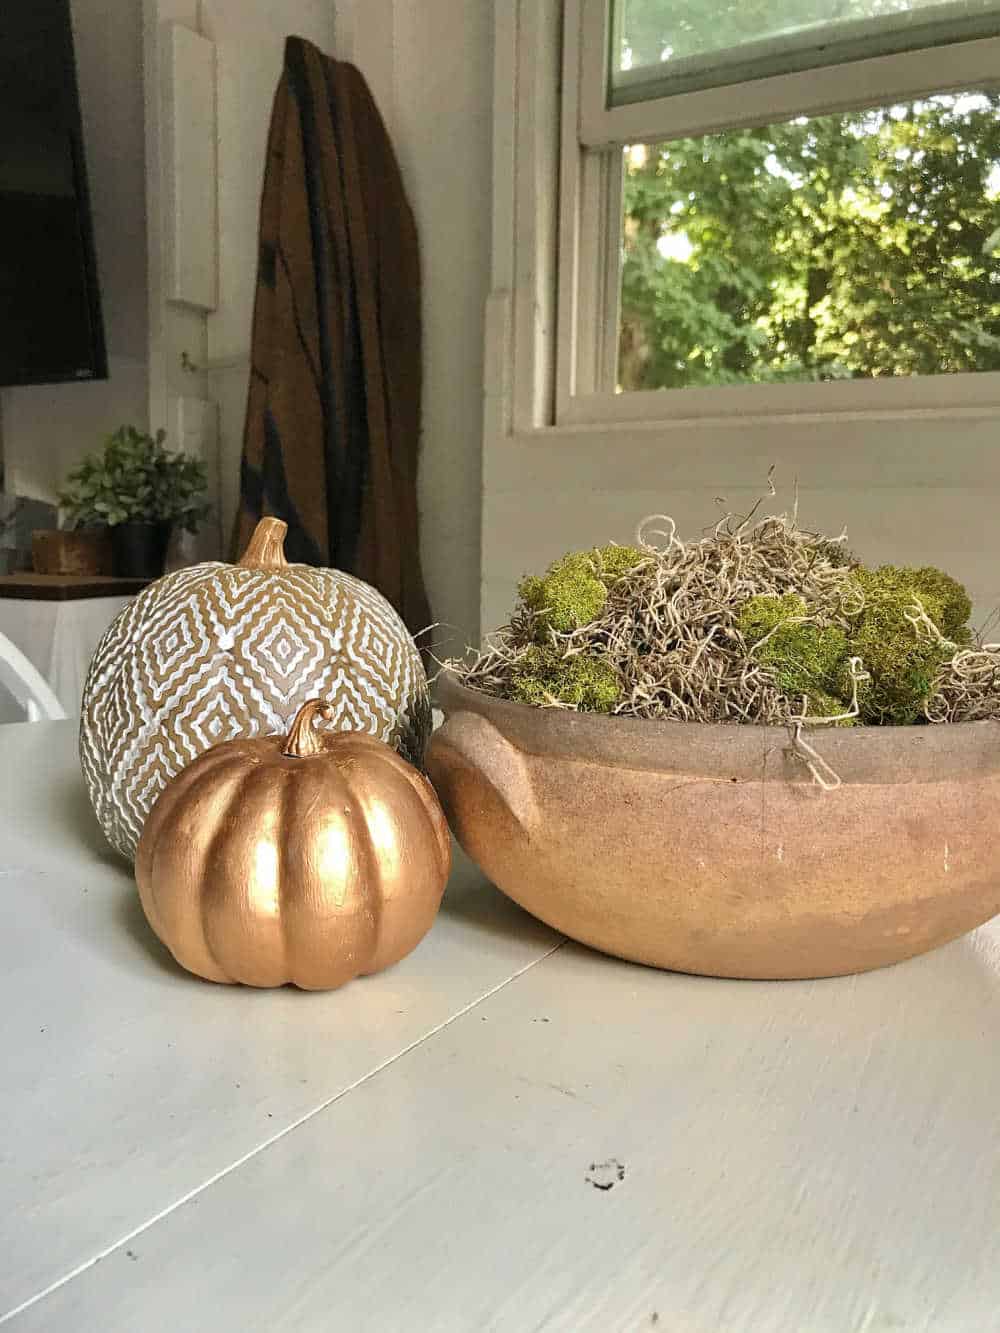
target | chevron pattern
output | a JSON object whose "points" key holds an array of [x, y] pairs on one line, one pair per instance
{"points": [[217, 651]]}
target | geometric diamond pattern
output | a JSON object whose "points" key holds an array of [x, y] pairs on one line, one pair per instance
{"points": [[216, 651]]}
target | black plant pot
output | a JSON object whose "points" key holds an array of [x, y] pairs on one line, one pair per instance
{"points": [[138, 550]]}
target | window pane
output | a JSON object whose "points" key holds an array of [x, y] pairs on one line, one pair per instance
{"points": [[846, 246], [668, 46]]}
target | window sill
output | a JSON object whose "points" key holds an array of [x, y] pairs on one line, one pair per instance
{"points": [[920, 397]]}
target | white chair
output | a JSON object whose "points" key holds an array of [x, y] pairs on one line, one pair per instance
{"points": [[27, 685]]}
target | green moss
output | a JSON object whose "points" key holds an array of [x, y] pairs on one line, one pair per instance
{"points": [[901, 661], [573, 590], [569, 595], [822, 704], [804, 659], [956, 606], [614, 561], [942, 597], [760, 615], [531, 591], [588, 683], [901, 664]]}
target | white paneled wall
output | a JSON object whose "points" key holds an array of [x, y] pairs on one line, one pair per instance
{"points": [[200, 344]]}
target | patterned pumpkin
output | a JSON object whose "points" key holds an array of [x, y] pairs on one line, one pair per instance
{"points": [[217, 651], [309, 858]]}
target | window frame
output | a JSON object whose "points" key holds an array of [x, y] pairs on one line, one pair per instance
{"points": [[818, 91], [552, 318]]}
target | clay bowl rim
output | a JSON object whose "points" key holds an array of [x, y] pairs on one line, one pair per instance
{"points": [[897, 755]]}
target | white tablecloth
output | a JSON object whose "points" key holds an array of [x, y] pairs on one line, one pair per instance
{"points": [[59, 638]]}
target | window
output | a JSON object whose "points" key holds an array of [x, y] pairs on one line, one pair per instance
{"points": [[662, 47], [850, 246], [774, 205]]}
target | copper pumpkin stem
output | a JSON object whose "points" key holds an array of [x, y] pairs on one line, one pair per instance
{"points": [[302, 739], [266, 548]]}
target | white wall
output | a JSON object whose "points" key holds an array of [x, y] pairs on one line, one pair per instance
{"points": [[47, 428], [430, 68], [203, 411], [173, 330]]}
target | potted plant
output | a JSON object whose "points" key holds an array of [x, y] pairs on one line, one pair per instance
{"points": [[746, 755], [140, 490]]}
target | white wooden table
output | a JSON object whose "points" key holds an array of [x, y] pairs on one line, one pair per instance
{"points": [[504, 1132]]}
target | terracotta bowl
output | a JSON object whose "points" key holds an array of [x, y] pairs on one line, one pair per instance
{"points": [[710, 849]]}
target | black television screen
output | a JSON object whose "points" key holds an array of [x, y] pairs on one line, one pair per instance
{"points": [[51, 328]]}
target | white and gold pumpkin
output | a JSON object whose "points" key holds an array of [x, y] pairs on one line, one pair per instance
{"points": [[216, 651]]}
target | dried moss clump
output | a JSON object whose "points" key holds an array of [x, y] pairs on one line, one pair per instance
{"points": [[614, 561], [943, 598], [806, 660], [668, 620], [967, 688], [572, 592], [759, 622], [910, 625], [543, 676]]}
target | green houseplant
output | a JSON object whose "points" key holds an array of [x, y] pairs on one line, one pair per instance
{"points": [[140, 490]]}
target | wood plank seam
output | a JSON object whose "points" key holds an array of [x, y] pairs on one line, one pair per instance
{"points": [[273, 1139]]}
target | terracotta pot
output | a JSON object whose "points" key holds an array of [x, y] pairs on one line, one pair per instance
{"points": [[87, 552], [709, 849]]}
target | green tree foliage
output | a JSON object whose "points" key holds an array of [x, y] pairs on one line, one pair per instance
{"points": [[845, 246]]}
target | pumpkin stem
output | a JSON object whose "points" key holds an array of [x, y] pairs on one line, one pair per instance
{"points": [[266, 548], [302, 739]]}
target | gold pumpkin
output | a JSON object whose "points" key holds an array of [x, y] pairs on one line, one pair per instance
{"points": [[309, 858], [214, 651]]}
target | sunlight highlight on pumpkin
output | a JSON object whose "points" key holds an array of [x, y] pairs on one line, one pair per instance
{"points": [[264, 879], [382, 831], [333, 860]]}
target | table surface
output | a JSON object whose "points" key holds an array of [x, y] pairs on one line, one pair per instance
{"points": [[505, 1131], [67, 587]]}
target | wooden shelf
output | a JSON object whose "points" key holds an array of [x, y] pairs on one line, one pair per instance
{"points": [[67, 587]]}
